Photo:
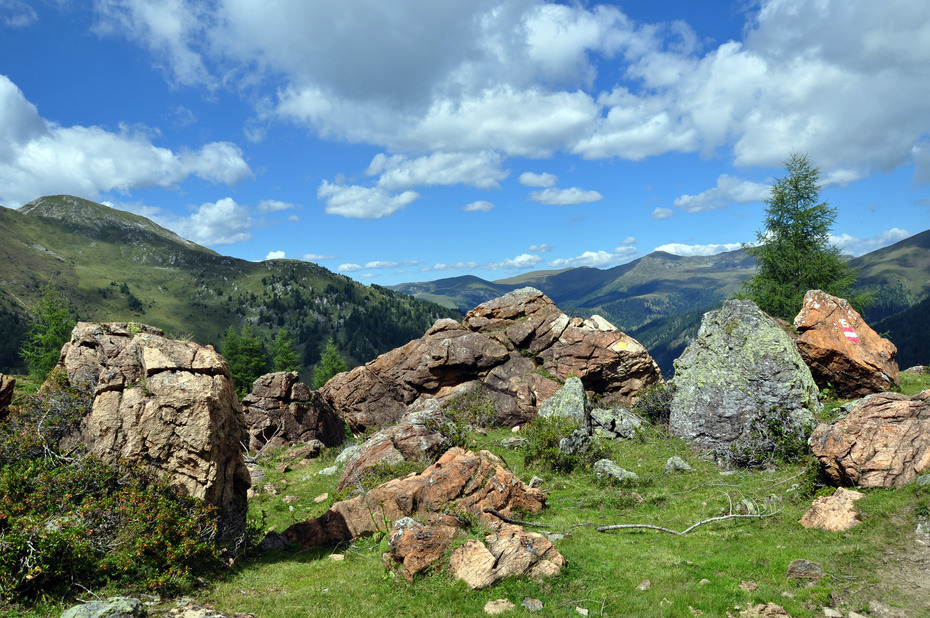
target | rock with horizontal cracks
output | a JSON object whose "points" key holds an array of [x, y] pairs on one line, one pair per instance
{"points": [[842, 351], [509, 552], [883, 442], [170, 405], [460, 482], [514, 350]]}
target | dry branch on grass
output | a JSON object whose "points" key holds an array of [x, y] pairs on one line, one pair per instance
{"points": [[730, 515]]}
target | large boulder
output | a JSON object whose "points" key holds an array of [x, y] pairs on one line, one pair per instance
{"points": [[883, 442], [7, 384], [461, 482], [509, 552], [281, 411], [740, 371], [170, 405], [841, 350], [515, 349]]}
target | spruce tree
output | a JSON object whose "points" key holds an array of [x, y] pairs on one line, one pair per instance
{"points": [[49, 331], [246, 357], [330, 364], [794, 253], [283, 355]]}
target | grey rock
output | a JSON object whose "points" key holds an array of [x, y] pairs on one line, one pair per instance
{"points": [[273, 541], [347, 453], [513, 442], [575, 443], [615, 423], [605, 468], [805, 569], [877, 609], [330, 471], [923, 480], [570, 401], [677, 464], [741, 365], [534, 605], [114, 607], [535, 482]]}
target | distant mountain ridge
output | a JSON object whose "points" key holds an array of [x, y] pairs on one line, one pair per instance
{"points": [[117, 266]]}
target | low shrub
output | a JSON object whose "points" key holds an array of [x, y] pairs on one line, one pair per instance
{"points": [[543, 436], [655, 403], [769, 437]]}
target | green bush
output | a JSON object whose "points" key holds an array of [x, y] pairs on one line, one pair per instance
{"points": [[542, 445], [769, 437], [655, 403]]}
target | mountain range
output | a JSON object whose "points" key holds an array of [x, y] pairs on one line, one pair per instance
{"points": [[116, 266]]}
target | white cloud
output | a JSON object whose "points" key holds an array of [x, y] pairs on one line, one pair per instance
{"points": [[17, 14], [565, 197], [596, 259], [398, 172], [540, 248], [522, 261], [362, 202], [454, 266], [479, 206], [858, 246], [692, 250], [529, 179], [266, 206], [662, 213], [729, 190], [629, 240], [316, 257], [42, 158], [275, 255], [223, 222], [376, 265]]}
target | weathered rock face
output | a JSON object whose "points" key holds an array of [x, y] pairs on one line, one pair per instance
{"points": [[168, 404], [417, 546], [883, 442], [570, 401], [841, 350], [415, 437], [460, 481], [283, 411], [505, 348], [510, 552], [6, 393], [834, 513], [741, 365]]}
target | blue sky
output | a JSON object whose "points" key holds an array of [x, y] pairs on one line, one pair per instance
{"points": [[415, 140]]}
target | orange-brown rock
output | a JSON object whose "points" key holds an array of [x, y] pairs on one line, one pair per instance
{"points": [[834, 513], [418, 546], [460, 481], [168, 404], [505, 348], [280, 411], [842, 350], [509, 552], [883, 442], [7, 385]]}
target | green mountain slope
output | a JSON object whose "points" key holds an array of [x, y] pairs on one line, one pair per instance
{"points": [[898, 275], [117, 266], [909, 330]]}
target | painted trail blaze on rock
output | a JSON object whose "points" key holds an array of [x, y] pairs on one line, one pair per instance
{"points": [[841, 350]]}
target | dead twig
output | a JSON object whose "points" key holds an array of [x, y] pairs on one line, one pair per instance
{"points": [[691, 527], [511, 520]]}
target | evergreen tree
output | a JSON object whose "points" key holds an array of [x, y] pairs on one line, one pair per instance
{"points": [[330, 364], [794, 254], [283, 355], [49, 331], [246, 357]]}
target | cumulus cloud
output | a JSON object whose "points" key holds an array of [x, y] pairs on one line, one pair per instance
{"points": [[851, 245], [316, 257], [453, 266], [540, 248], [38, 157], [376, 265], [729, 190], [565, 197], [17, 14], [398, 172], [522, 261], [223, 222], [359, 202], [596, 259], [692, 250], [479, 206], [529, 179], [266, 206], [275, 255], [662, 213]]}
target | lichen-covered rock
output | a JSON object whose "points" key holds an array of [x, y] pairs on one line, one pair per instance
{"points": [[514, 349], [114, 607], [615, 423], [281, 411], [571, 402], [741, 369], [841, 350], [460, 482], [608, 469], [170, 405], [883, 442]]}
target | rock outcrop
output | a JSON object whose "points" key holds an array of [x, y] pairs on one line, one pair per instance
{"points": [[460, 482], [280, 411], [841, 350], [418, 546], [834, 513], [7, 384], [883, 442], [167, 404], [515, 349], [741, 368], [509, 552]]}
